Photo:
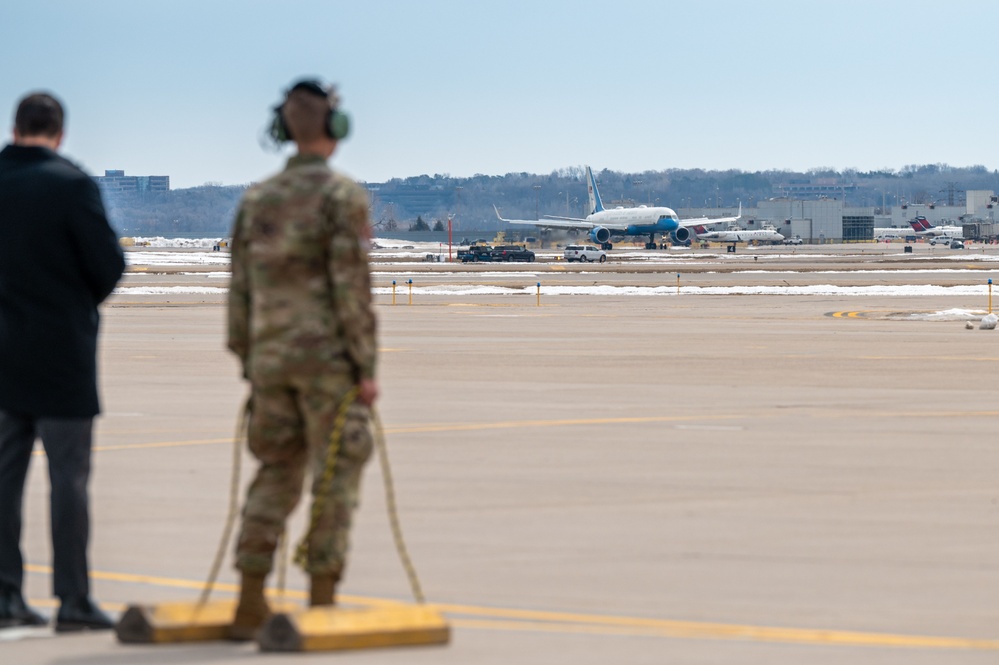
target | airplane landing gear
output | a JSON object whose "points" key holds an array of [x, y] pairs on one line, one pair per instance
{"points": [[651, 245], [607, 246]]}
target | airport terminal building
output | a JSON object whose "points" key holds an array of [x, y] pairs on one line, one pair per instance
{"points": [[116, 181], [828, 220]]}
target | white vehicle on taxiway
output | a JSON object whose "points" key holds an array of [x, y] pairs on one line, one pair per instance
{"points": [[584, 253]]}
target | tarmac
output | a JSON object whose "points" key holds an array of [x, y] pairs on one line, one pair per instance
{"points": [[753, 479]]}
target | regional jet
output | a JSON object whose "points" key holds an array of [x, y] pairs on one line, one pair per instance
{"points": [[767, 234], [601, 223], [890, 233], [923, 228]]}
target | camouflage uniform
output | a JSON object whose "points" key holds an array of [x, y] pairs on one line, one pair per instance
{"points": [[301, 322]]}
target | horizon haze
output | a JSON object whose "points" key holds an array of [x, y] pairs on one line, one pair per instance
{"points": [[185, 89]]}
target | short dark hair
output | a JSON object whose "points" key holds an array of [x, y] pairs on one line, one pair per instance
{"points": [[39, 114], [306, 109]]}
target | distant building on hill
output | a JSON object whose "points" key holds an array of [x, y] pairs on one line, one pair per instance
{"points": [[117, 181]]}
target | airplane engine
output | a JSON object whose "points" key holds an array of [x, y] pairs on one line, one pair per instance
{"points": [[599, 235], [681, 236]]}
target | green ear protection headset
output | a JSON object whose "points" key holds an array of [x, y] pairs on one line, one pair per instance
{"points": [[337, 122]]}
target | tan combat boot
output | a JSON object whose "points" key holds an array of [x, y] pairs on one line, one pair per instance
{"points": [[321, 592], [252, 610]]}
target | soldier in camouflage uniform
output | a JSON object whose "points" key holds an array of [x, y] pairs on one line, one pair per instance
{"points": [[301, 322]]}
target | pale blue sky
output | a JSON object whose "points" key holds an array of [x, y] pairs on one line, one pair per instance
{"points": [[184, 88]]}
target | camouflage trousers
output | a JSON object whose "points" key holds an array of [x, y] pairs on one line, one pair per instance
{"points": [[290, 428]]}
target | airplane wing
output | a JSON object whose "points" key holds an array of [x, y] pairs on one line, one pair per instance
{"points": [[554, 223], [561, 223], [566, 219], [705, 221]]}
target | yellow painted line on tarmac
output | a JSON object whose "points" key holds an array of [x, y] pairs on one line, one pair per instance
{"points": [[707, 631], [177, 583], [104, 428], [155, 444], [514, 620], [163, 444], [168, 582], [567, 422], [446, 427], [931, 357], [116, 302], [894, 358], [517, 424], [935, 414]]}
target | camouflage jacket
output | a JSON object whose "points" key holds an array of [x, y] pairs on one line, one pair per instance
{"points": [[300, 295]]}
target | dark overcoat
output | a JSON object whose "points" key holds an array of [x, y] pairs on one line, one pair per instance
{"points": [[59, 259]]}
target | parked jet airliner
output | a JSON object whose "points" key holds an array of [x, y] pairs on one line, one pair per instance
{"points": [[891, 233], [641, 221], [766, 234], [922, 227]]}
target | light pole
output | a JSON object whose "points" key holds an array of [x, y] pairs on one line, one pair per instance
{"points": [[449, 259], [457, 212]]}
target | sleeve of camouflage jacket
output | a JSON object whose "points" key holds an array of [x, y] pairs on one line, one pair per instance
{"points": [[350, 276], [239, 295]]}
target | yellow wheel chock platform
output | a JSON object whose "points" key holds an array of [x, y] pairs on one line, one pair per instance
{"points": [[290, 628], [180, 621], [338, 628], [175, 622]]}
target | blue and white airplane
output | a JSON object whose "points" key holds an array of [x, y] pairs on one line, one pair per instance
{"points": [[641, 221]]}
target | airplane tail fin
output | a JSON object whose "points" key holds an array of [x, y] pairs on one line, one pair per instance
{"points": [[920, 224], [591, 188]]}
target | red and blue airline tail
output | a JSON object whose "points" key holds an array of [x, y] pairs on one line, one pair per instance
{"points": [[920, 224]]}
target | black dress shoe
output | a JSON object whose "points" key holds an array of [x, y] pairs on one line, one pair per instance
{"points": [[81, 614], [15, 612]]}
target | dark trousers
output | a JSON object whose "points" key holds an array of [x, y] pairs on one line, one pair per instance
{"points": [[67, 443]]}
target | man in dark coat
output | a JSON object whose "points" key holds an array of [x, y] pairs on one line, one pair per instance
{"points": [[59, 259]]}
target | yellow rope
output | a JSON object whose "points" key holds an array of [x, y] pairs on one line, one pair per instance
{"points": [[393, 513], [326, 482], [282, 565], [237, 449], [301, 553]]}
